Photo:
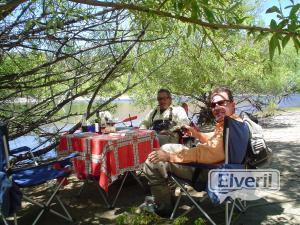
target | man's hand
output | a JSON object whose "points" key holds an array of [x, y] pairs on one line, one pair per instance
{"points": [[190, 131], [159, 155]]}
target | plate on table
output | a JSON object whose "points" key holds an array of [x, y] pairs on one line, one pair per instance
{"points": [[84, 134]]}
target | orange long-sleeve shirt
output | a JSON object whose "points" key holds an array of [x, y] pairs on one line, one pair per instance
{"points": [[210, 152]]}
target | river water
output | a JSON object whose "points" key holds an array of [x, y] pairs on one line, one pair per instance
{"points": [[126, 107]]}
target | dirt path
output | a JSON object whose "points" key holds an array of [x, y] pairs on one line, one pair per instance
{"points": [[282, 133]]}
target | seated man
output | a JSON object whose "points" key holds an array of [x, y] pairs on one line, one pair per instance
{"points": [[211, 150], [165, 119]]}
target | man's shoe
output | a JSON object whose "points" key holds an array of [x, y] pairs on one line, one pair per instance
{"points": [[149, 205]]}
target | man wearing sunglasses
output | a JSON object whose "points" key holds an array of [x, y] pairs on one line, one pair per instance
{"points": [[211, 150], [165, 119]]}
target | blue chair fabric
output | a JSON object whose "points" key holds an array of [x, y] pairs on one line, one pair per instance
{"points": [[35, 175], [10, 195], [238, 140]]}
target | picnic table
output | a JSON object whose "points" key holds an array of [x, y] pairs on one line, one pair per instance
{"points": [[104, 157]]}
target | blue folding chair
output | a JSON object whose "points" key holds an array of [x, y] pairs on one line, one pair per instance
{"points": [[236, 140], [15, 179]]}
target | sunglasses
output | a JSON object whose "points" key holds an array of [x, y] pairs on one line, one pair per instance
{"points": [[219, 103], [162, 98]]}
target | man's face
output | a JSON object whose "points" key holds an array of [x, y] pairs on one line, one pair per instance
{"points": [[164, 101], [221, 106]]}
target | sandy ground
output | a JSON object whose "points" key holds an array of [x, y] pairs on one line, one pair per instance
{"points": [[283, 135]]}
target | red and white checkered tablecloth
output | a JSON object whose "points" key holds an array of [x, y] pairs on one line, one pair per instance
{"points": [[107, 156]]}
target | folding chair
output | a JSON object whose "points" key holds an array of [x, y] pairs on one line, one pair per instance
{"points": [[30, 176], [236, 139]]}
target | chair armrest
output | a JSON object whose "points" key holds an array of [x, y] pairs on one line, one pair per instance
{"points": [[62, 161], [19, 150]]}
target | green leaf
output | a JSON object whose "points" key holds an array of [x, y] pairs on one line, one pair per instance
{"points": [[294, 10], [205, 2], [272, 46], [180, 5], [296, 43], [289, 6], [189, 31], [195, 10], [292, 26], [164, 27], [195, 27], [241, 20], [285, 40], [28, 24], [283, 23], [273, 9], [261, 36], [175, 5], [209, 15], [232, 8], [279, 16], [250, 32], [278, 46], [273, 24]]}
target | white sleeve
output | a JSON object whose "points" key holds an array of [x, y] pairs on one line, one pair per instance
{"points": [[108, 115], [180, 118], [146, 123]]}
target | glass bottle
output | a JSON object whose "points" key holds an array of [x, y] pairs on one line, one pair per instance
{"points": [[97, 123], [84, 125]]}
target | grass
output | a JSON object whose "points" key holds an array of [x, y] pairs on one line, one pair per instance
{"points": [[145, 218]]}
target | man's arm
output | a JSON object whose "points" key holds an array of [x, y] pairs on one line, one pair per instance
{"points": [[180, 118], [200, 154], [146, 123], [211, 152]]}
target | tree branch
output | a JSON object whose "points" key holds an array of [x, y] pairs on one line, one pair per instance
{"points": [[10, 6], [184, 19]]}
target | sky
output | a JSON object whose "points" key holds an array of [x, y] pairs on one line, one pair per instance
{"points": [[269, 3]]}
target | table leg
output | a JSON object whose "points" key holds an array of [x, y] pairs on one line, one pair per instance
{"points": [[100, 190], [119, 190], [137, 179], [81, 188], [104, 197]]}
